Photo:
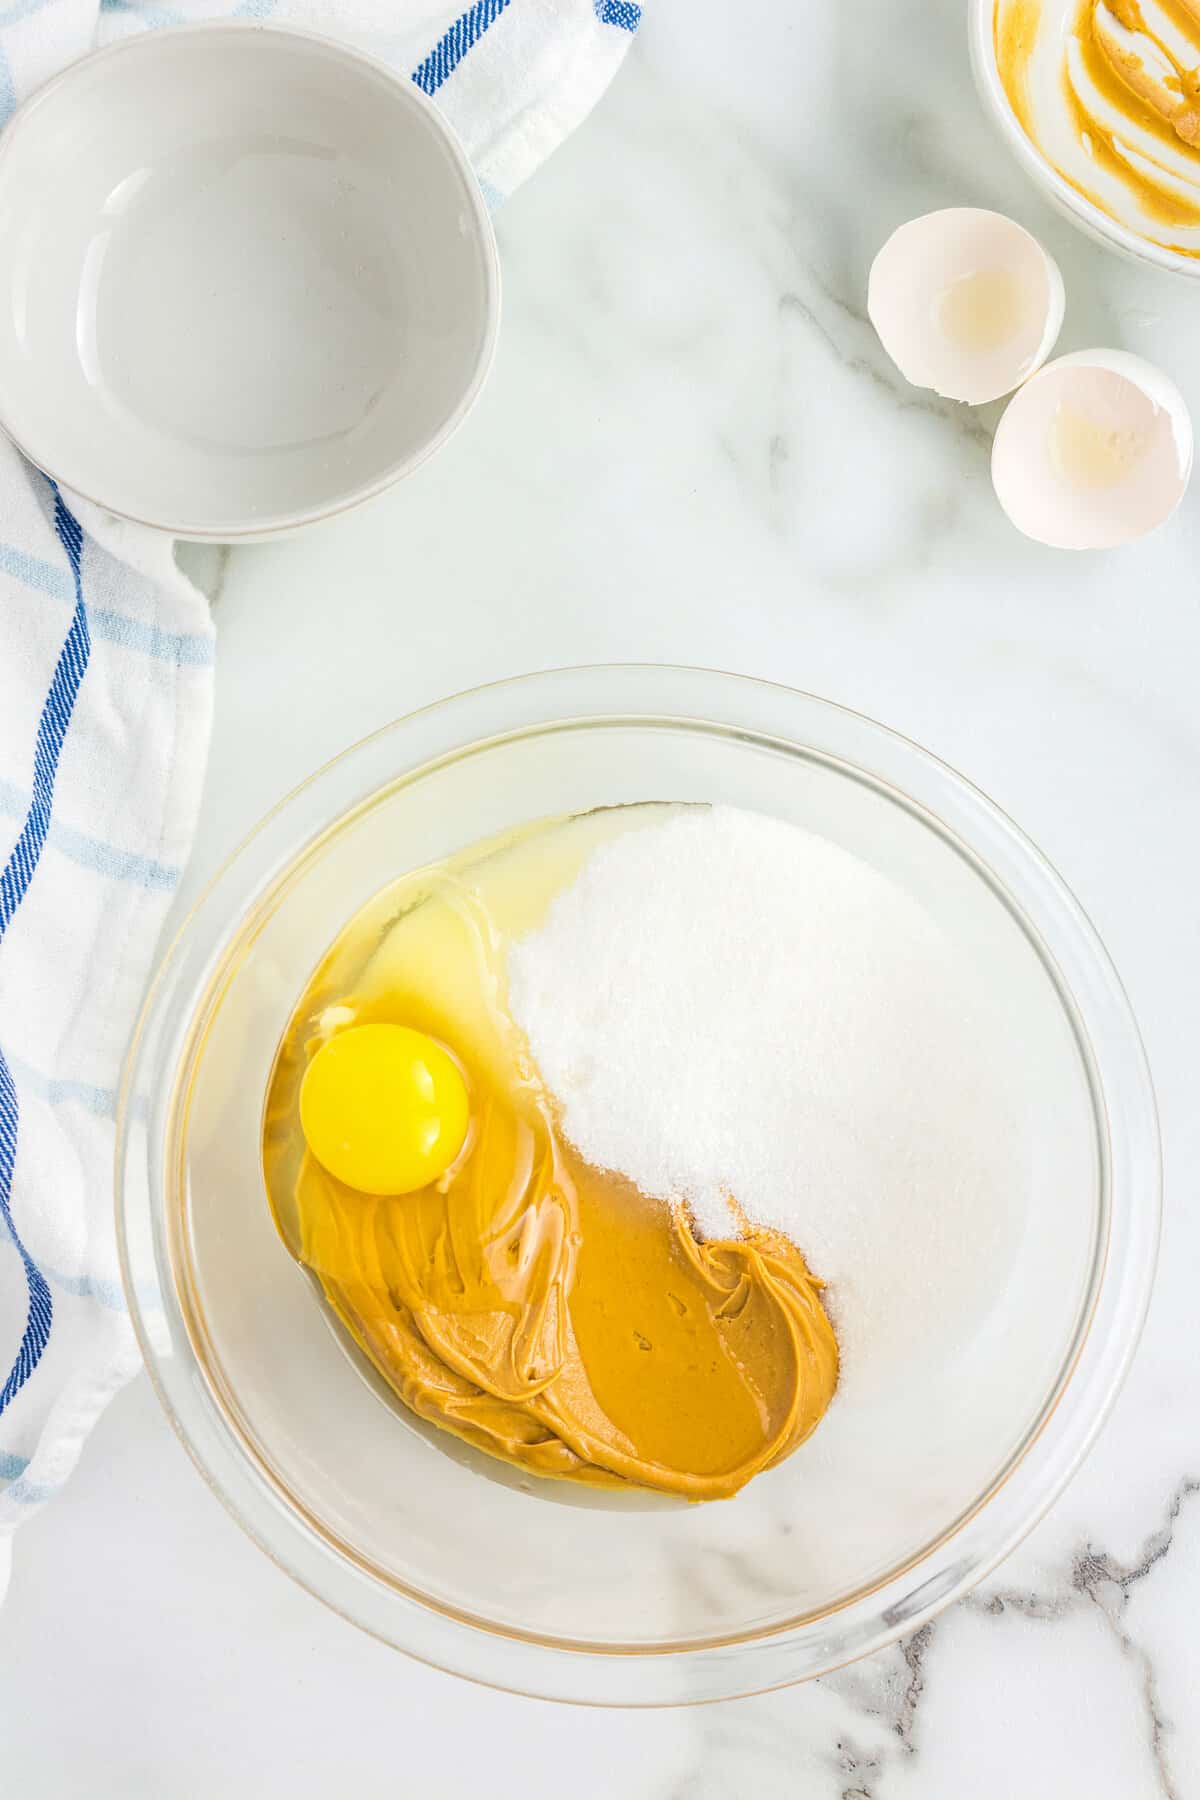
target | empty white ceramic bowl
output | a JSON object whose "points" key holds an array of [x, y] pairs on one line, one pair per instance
{"points": [[247, 279]]}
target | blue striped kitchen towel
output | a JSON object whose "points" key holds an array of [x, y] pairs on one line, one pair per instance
{"points": [[106, 675]]}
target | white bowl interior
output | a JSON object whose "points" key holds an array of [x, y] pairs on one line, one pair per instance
{"points": [[1045, 163], [972, 1360], [245, 276]]}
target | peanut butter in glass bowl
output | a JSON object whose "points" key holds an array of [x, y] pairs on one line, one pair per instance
{"points": [[542, 1310]]}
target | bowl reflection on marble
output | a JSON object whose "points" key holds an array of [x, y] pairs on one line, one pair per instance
{"points": [[988, 1396]]}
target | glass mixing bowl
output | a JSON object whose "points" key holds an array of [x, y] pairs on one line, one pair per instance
{"points": [[976, 1416]]}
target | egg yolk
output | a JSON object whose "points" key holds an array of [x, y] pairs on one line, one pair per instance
{"points": [[384, 1109]]}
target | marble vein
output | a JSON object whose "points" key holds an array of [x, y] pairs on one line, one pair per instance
{"points": [[1099, 1579]]}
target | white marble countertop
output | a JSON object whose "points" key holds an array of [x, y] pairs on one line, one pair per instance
{"points": [[692, 449]]}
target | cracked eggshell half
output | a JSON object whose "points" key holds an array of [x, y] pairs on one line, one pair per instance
{"points": [[965, 302], [1095, 451]]}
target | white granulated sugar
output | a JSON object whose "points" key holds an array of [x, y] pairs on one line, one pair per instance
{"points": [[726, 1005]]}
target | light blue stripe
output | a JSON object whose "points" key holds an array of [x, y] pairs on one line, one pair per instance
{"points": [[28, 1493], [8, 93], [150, 16], [37, 574], [54, 1090], [12, 1466], [179, 647], [109, 1294], [93, 853], [22, 9]]}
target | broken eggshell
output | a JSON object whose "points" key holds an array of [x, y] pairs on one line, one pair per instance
{"points": [[1095, 451], [965, 302]]}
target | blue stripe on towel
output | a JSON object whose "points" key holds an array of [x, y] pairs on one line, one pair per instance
{"points": [[40, 1314], [52, 729], [148, 16], [8, 93], [180, 647], [14, 885], [12, 1466], [29, 1493], [109, 1294], [92, 852], [621, 13], [47, 577], [21, 9], [449, 51], [57, 1090]]}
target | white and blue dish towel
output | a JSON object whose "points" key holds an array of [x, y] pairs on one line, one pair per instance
{"points": [[106, 676]]}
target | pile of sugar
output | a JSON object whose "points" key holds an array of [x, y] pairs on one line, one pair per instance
{"points": [[726, 1005]]}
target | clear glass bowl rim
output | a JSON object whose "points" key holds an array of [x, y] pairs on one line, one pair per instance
{"points": [[1126, 1119]]}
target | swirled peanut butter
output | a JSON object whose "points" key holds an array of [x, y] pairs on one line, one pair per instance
{"points": [[542, 1310], [1109, 91]]}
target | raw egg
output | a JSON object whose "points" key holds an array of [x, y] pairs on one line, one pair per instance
{"points": [[384, 1108], [965, 302], [1094, 451]]}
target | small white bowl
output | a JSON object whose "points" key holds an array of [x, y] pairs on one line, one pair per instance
{"points": [[1082, 212], [247, 279]]}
